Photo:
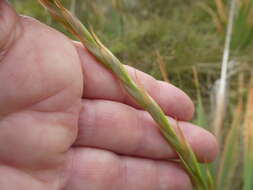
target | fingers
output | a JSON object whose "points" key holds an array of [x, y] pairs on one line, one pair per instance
{"points": [[102, 170], [125, 130], [102, 84]]}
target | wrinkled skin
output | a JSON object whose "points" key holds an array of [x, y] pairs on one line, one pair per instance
{"points": [[66, 122]]}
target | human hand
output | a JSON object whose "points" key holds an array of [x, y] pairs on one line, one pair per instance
{"points": [[66, 122]]}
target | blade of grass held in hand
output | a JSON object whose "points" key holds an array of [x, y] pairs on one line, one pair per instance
{"points": [[93, 44]]}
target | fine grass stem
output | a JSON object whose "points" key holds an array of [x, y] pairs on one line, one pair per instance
{"points": [[162, 66]]}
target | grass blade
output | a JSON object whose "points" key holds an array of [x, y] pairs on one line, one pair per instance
{"points": [[201, 119], [229, 157], [248, 140]]}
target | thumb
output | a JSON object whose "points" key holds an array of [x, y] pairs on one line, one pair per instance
{"points": [[9, 26]]}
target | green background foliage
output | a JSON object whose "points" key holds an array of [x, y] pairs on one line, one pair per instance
{"points": [[180, 30]]}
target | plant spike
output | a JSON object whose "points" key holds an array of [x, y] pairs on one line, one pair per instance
{"points": [[93, 44]]}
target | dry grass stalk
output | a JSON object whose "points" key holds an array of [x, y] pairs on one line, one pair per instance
{"points": [[162, 66], [92, 43], [221, 94], [216, 18], [221, 10], [196, 78]]}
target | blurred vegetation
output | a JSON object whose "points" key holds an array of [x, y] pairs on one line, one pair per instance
{"points": [[179, 30], [182, 41]]}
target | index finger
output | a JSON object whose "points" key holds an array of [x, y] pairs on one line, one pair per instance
{"points": [[99, 83]]}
